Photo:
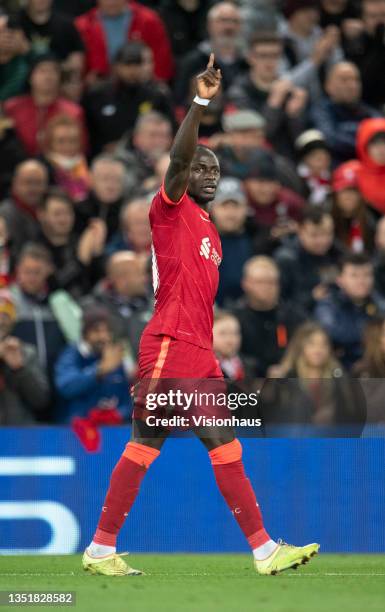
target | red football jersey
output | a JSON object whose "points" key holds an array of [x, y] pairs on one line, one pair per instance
{"points": [[186, 254]]}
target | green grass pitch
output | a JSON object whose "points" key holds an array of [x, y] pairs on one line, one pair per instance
{"points": [[206, 583]]}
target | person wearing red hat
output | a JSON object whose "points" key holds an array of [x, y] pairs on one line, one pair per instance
{"points": [[371, 153], [354, 223]]}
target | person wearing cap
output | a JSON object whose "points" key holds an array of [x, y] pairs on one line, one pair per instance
{"points": [[229, 212], [113, 107], [338, 114], [314, 166], [371, 153], [308, 49], [238, 148], [30, 113], [24, 387], [273, 206], [354, 222], [279, 101], [92, 375]]}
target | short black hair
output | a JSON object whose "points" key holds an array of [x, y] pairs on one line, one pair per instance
{"points": [[354, 259], [55, 193], [262, 37], [313, 214], [202, 149]]}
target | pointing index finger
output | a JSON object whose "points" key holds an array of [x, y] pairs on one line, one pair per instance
{"points": [[211, 61]]}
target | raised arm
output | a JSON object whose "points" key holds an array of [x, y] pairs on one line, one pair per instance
{"points": [[186, 139]]}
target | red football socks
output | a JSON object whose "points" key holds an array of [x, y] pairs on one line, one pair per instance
{"points": [[238, 492], [229, 473], [124, 486]]}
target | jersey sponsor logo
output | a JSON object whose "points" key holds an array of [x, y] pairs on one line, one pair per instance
{"points": [[209, 252], [205, 248]]}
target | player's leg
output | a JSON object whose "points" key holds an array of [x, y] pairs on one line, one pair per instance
{"points": [[127, 475], [124, 486], [270, 557], [225, 452]]}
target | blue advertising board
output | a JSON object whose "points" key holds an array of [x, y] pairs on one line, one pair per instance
{"points": [[326, 490]]}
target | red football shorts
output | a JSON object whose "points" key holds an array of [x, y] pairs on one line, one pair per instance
{"points": [[165, 357], [167, 364]]}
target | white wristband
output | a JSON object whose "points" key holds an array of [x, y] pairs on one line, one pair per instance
{"points": [[201, 101]]}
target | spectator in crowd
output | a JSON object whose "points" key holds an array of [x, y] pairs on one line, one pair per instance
{"points": [[317, 390], [379, 257], [224, 24], [281, 103], [364, 44], [371, 369], [29, 184], [135, 231], [24, 389], [314, 166], [238, 148], [339, 114], [371, 152], [6, 259], [227, 343], [112, 108], [31, 113], [64, 157], [124, 293], [14, 64], [79, 261], [48, 31], [229, 212], [354, 222], [185, 23], [341, 13], [107, 192], [90, 377], [107, 27], [266, 322], [151, 139], [273, 205], [12, 153], [345, 311], [309, 264], [308, 49], [73, 8], [36, 323]]}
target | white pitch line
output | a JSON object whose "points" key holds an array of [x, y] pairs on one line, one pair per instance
{"points": [[37, 574]]}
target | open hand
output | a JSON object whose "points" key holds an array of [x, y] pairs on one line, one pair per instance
{"points": [[209, 81]]}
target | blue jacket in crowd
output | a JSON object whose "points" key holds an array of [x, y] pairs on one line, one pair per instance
{"points": [[345, 322], [81, 390]]}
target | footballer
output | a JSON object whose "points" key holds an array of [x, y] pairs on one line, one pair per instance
{"points": [[177, 344]]}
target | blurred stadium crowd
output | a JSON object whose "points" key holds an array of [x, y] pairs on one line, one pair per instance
{"points": [[91, 94]]}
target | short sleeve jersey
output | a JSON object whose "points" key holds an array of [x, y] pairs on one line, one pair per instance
{"points": [[186, 254]]}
